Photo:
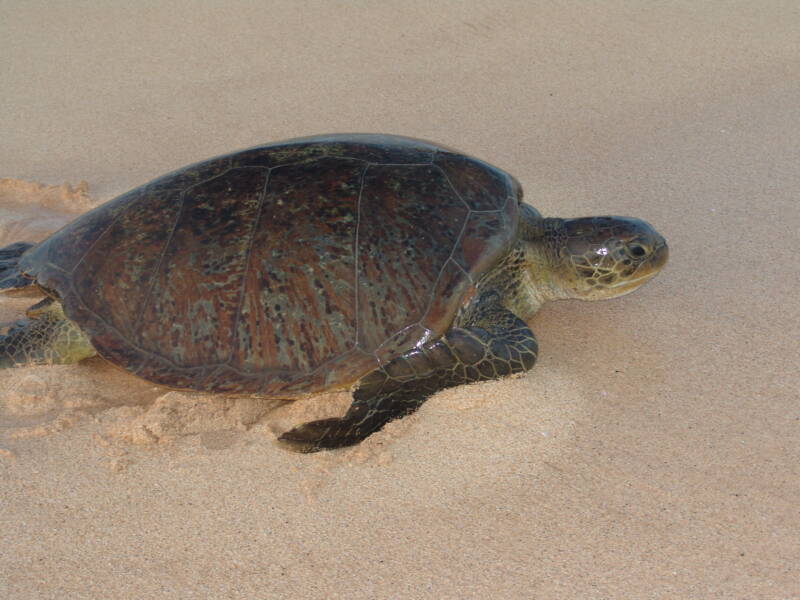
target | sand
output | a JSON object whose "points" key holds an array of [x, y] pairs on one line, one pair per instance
{"points": [[652, 452]]}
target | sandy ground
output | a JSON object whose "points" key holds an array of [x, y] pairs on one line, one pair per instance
{"points": [[652, 453]]}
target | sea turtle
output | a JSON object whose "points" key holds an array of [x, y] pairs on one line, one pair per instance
{"points": [[382, 263]]}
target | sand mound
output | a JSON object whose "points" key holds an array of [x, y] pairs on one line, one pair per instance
{"points": [[30, 211]]}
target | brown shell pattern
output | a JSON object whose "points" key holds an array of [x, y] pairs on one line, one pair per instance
{"points": [[285, 269]]}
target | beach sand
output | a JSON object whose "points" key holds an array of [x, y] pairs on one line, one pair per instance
{"points": [[653, 451]]}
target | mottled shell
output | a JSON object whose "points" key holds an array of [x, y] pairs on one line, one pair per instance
{"points": [[283, 269]]}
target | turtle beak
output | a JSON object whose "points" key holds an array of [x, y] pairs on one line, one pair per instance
{"points": [[650, 269], [660, 255]]}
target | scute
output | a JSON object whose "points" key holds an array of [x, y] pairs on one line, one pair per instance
{"points": [[409, 224], [191, 300], [284, 269], [481, 188], [113, 287], [297, 307]]}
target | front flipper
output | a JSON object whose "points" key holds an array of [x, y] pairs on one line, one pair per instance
{"points": [[494, 344], [46, 337]]}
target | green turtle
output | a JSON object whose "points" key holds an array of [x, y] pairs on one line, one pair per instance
{"points": [[384, 264]]}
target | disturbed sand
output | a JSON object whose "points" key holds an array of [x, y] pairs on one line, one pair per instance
{"points": [[652, 452]]}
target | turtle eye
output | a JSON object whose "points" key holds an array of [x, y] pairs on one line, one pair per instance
{"points": [[636, 250]]}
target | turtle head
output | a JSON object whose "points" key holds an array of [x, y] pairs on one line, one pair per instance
{"points": [[592, 258]]}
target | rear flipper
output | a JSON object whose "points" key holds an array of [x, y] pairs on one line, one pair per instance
{"points": [[47, 337], [10, 277]]}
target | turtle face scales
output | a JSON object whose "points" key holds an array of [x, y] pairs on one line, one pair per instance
{"points": [[604, 257]]}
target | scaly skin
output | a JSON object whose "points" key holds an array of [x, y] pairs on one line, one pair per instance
{"points": [[47, 337]]}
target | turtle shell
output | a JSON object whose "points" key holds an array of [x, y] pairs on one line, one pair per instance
{"points": [[284, 269]]}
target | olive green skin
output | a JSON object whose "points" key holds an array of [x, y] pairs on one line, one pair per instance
{"points": [[282, 270]]}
